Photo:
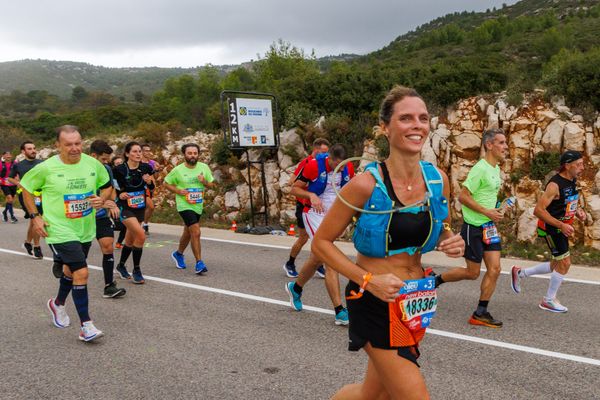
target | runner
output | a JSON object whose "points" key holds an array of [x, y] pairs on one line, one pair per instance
{"points": [[116, 161], [69, 181], [320, 146], [17, 172], [479, 231], [8, 188], [556, 210], [188, 181], [133, 178], [101, 151], [387, 258], [147, 156], [315, 184]]}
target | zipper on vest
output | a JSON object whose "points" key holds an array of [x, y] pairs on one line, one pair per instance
{"points": [[387, 231]]}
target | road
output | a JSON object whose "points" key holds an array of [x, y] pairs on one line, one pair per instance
{"points": [[232, 335]]}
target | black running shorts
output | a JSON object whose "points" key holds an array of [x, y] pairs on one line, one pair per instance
{"points": [[104, 228], [299, 219], [558, 245], [72, 254], [40, 209], [137, 213], [190, 217], [474, 245], [9, 190], [370, 323]]}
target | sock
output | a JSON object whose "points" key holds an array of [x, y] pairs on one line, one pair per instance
{"points": [[80, 298], [338, 308], [297, 288], [555, 281], [137, 257], [9, 207], [108, 264], [482, 307], [540, 269], [438, 280], [291, 260], [125, 252], [122, 234], [5, 211], [64, 288]]}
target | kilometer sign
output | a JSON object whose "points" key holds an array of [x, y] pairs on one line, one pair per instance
{"points": [[251, 122]]}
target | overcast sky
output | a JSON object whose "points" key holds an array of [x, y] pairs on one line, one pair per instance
{"points": [[186, 33]]}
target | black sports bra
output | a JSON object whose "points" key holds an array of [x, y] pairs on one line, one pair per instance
{"points": [[406, 229]]}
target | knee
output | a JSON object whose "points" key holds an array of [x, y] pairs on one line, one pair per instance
{"points": [[194, 231], [80, 276], [472, 273], [494, 271]]}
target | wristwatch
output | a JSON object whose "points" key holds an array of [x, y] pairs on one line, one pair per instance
{"points": [[33, 215]]}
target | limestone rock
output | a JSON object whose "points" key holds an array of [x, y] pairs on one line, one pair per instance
{"points": [[574, 137], [467, 145], [527, 226], [232, 201], [553, 136]]}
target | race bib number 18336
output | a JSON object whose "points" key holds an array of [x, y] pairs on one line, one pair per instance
{"points": [[418, 302]]}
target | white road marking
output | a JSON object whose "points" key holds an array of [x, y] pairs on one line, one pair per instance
{"points": [[452, 335]]}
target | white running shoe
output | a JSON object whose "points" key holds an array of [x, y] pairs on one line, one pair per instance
{"points": [[60, 319], [89, 332], [515, 281], [552, 305]]}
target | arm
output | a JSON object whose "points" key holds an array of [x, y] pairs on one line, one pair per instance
{"points": [[39, 225], [299, 190], [540, 211], [357, 192], [466, 198], [452, 244], [174, 189]]}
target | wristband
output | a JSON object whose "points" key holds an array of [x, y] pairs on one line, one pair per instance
{"points": [[353, 295]]}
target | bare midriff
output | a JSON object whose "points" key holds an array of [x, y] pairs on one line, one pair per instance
{"points": [[403, 265]]}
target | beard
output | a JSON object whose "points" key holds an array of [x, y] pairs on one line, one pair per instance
{"points": [[191, 161]]}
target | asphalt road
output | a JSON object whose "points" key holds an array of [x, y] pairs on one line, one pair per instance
{"points": [[200, 337]]}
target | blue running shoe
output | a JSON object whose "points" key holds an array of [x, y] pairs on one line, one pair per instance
{"points": [[341, 318], [295, 298], [290, 270], [200, 267], [179, 259], [123, 272], [138, 277], [320, 272]]}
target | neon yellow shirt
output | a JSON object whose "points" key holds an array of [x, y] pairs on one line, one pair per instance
{"points": [[187, 178], [484, 183]]}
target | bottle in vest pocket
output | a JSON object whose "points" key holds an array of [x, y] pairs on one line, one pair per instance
{"points": [[490, 233]]}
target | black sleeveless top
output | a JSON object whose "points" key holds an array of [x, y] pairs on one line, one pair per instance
{"points": [[406, 229], [562, 208]]}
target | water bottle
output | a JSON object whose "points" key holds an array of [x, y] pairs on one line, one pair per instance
{"points": [[509, 202]]}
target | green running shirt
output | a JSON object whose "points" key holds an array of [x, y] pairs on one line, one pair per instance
{"points": [[187, 178], [484, 183]]}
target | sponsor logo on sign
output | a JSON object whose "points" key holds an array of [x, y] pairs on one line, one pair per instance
{"points": [[243, 111]]}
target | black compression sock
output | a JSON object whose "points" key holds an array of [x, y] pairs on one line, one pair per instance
{"points": [[125, 252], [338, 309], [291, 260], [482, 307], [297, 288], [137, 256], [108, 264]]}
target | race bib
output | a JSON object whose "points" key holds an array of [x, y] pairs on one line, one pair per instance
{"points": [[136, 199], [417, 303], [37, 200], [77, 205], [490, 233], [101, 213], [571, 207], [194, 195]]}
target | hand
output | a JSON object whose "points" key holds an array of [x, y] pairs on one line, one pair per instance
{"points": [[96, 201], [114, 213], [453, 247], [39, 226], [124, 196], [495, 214], [316, 203], [202, 179], [580, 214], [385, 287], [182, 192], [147, 178], [567, 229]]}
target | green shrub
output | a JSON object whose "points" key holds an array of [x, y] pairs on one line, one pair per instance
{"points": [[221, 153], [543, 163]]}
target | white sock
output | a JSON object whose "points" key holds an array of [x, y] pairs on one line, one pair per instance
{"points": [[540, 269], [555, 281]]}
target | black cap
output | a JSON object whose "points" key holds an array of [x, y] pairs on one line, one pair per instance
{"points": [[570, 156]]}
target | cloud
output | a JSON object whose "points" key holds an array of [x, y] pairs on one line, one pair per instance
{"points": [[194, 32]]}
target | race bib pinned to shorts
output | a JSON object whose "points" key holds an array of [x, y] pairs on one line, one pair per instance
{"points": [[490, 233], [194, 196], [136, 199], [417, 303], [570, 207], [77, 205]]}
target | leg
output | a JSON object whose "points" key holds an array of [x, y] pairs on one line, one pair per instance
{"points": [[332, 283], [299, 243], [471, 272], [184, 240], [308, 270], [370, 388], [194, 234], [490, 278]]}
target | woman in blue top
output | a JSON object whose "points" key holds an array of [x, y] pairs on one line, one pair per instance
{"points": [[389, 335]]}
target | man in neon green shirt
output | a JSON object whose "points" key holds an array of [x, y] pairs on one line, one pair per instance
{"points": [[479, 197], [69, 182], [188, 181]]}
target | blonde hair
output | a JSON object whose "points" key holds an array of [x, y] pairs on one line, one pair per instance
{"points": [[396, 94]]}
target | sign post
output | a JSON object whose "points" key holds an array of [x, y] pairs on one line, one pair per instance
{"points": [[249, 120]]}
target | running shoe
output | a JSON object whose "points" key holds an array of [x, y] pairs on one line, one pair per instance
{"points": [[200, 267], [341, 318], [28, 248], [89, 332], [515, 281], [13, 219], [112, 291], [57, 269], [118, 246], [552, 305], [138, 277], [179, 259], [37, 253], [60, 319], [320, 272], [485, 319], [123, 272], [290, 270], [4, 217], [295, 298]]}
